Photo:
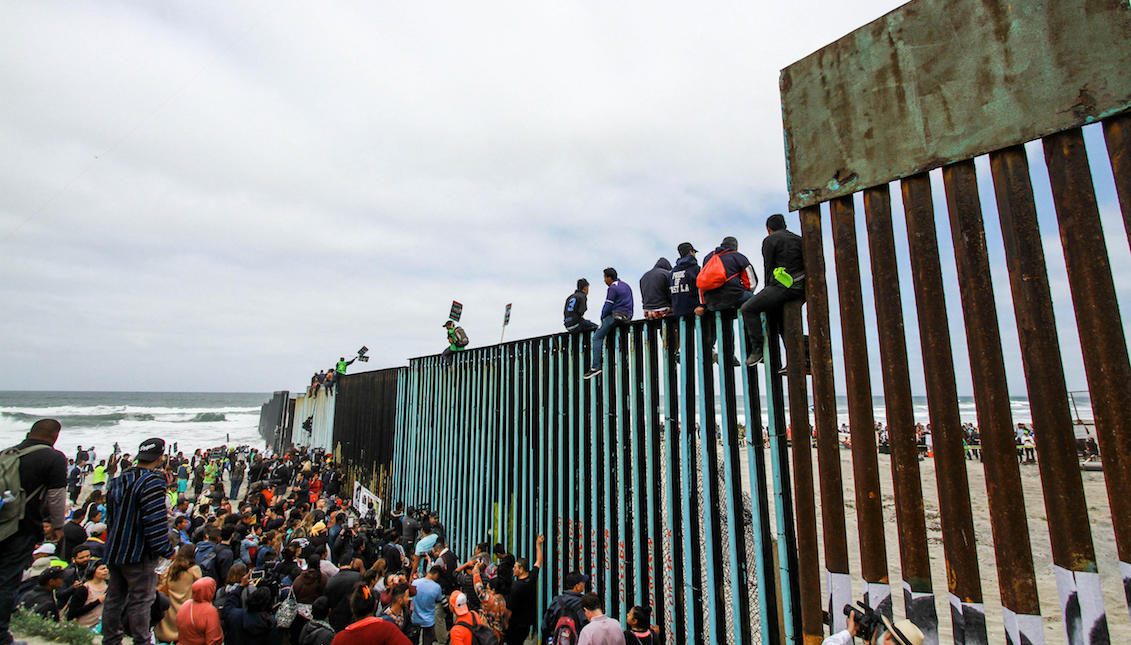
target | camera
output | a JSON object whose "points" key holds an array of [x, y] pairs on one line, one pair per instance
{"points": [[866, 618]]}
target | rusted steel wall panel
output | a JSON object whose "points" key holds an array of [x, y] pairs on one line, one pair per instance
{"points": [[938, 81], [1102, 341], [838, 583], [918, 596], [1117, 132], [991, 398], [1007, 511]]}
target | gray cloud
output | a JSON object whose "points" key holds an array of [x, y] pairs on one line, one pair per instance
{"points": [[227, 196]]}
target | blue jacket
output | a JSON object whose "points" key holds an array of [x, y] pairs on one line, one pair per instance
{"points": [[618, 300], [685, 295]]}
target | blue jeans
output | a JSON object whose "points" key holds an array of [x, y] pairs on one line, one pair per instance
{"points": [[15, 556], [607, 325], [236, 484]]}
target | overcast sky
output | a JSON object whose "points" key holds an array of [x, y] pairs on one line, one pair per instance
{"points": [[228, 196]]}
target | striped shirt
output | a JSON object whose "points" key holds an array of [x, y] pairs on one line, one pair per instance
{"points": [[136, 518]]}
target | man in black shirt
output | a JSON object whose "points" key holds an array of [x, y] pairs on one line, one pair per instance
{"points": [[573, 313], [43, 477], [785, 281], [523, 600]]}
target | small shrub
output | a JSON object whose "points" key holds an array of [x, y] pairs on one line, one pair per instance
{"points": [[31, 624]]}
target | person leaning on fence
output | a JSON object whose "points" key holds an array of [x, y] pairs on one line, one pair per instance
{"points": [[616, 310], [573, 314], [784, 267], [655, 290], [725, 281]]}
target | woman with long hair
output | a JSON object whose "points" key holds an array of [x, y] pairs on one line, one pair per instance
{"points": [[85, 605], [640, 631], [176, 583]]}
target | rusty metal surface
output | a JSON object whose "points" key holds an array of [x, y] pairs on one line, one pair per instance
{"points": [[991, 394], [1099, 323], [1007, 512], [937, 81], [1117, 133], [805, 512], [824, 406], [858, 385], [915, 563]]}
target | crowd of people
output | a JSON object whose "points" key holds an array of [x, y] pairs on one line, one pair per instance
{"points": [[725, 281], [178, 549]]}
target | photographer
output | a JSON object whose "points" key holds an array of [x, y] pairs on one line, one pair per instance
{"points": [[874, 629]]}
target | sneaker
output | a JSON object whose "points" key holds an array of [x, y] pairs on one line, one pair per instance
{"points": [[754, 357], [591, 373]]}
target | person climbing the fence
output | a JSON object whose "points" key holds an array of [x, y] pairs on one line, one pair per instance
{"points": [[617, 310], [784, 269], [457, 341], [655, 290]]}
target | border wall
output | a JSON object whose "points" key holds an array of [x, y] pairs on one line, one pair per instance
{"points": [[659, 478]]}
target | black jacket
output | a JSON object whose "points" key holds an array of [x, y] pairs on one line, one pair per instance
{"points": [[684, 292], [316, 633], [41, 601], [740, 277], [338, 591], [783, 249], [575, 306], [567, 604], [655, 286]]}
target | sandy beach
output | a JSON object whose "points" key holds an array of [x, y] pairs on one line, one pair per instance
{"points": [[1119, 622]]}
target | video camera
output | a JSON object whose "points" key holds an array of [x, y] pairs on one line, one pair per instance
{"points": [[361, 354], [866, 618]]}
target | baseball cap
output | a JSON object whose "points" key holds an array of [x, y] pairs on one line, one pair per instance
{"points": [[98, 528], [151, 449], [686, 248], [574, 578], [458, 602], [47, 548], [447, 322]]}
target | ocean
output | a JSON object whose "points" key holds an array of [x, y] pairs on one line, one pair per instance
{"points": [[203, 420], [192, 419]]}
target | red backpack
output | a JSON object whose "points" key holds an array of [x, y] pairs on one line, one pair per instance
{"points": [[713, 274], [565, 631]]}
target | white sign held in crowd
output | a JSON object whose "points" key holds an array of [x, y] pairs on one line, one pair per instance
{"points": [[363, 499]]}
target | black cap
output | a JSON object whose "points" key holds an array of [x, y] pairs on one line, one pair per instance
{"points": [[447, 322], [686, 248], [574, 578], [151, 449]]}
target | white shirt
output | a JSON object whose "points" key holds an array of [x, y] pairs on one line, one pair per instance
{"points": [[840, 638]]}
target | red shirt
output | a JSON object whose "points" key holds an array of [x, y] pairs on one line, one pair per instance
{"points": [[371, 631]]}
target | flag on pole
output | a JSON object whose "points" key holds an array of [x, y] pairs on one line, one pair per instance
{"points": [[507, 316]]}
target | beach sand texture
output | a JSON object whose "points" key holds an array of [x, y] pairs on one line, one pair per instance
{"points": [[1119, 621]]}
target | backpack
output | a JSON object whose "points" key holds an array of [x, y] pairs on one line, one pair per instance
{"points": [[481, 634], [565, 631], [207, 562], [12, 510], [713, 274], [459, 337]]}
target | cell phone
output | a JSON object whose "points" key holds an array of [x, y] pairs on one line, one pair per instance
{"points": [[350, 522]]}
